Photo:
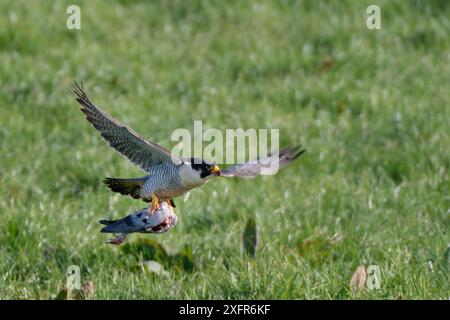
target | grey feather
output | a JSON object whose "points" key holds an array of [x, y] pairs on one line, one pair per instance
{"points": [[256, 167], [142, 221], [125, 140]]}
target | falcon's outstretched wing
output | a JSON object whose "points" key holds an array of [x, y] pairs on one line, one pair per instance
{"points": [[125, 140], [266, 164]]}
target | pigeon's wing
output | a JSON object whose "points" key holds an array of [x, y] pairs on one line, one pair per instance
{"points": [[125, 140], [265, 165]]}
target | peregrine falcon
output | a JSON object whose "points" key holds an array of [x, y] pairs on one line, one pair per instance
{"points": [[168, 176]]}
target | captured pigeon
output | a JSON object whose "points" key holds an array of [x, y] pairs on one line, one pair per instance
{"points": [[141, 221]]}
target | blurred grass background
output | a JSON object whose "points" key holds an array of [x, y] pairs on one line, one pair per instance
{"points": [[370, 106]]}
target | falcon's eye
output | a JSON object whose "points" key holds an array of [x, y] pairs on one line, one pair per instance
{"points": [[209, 167]]}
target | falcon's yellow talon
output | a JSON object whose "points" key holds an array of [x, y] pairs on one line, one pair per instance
{"points": [[155, 204]]}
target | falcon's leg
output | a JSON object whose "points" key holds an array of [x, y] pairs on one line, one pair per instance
{"points": [[155, 204]]}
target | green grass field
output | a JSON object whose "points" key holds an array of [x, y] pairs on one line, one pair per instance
{"points": [[372, 108]]}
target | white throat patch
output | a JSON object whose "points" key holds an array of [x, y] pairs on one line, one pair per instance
{"points": [[190, 178]]}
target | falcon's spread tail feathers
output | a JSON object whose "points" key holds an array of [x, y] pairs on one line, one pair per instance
{"points": [[130, 187]]}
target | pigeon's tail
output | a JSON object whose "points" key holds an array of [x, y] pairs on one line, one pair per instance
{"points": [[107, 222], [121, 225], [112, 228]]}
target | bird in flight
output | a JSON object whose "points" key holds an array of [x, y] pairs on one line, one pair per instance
{"points": [[168, 176]]}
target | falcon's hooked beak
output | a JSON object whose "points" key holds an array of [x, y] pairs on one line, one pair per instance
{"points": [[216, 170]]}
